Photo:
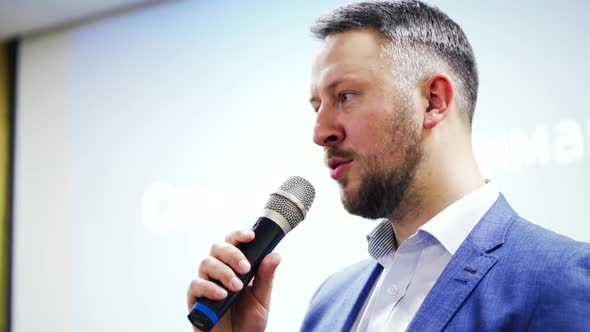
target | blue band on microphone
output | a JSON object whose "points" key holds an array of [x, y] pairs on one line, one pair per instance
{"points": [[207, 311]]}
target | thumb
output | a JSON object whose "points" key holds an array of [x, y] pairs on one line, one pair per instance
{"points": [[262, 285]]}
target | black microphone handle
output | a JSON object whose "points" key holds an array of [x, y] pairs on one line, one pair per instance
{"points": [[268, 234]]}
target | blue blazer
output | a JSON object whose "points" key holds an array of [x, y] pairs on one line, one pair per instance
{"points": [[509, 274]]}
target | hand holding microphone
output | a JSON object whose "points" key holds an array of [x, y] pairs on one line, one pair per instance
{"points": [[232, 264], [250, 311]]}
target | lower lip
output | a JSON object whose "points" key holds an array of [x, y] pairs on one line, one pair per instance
{"points": [[337, 172]]}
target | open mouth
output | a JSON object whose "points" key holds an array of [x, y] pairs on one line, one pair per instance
{"points": [[338, 166]]}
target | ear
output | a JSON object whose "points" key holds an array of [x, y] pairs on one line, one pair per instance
{"points": [[439, 92]]}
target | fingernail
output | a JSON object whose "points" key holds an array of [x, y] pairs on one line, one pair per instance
{"points": [[246, 233], [244, 265], [236, 284], [221, 292]]}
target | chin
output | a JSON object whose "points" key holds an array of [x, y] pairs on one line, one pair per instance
{"points": [[348, 195]]}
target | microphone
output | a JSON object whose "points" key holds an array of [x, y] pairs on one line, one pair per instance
{"points": [[285, 209]]}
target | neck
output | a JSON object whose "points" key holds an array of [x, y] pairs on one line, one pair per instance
{"points": [[436, 186]]}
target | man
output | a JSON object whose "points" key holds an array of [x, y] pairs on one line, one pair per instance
{"points": [[394, 86]]}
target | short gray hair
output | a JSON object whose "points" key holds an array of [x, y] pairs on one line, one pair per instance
{"points": [[421, 41]]}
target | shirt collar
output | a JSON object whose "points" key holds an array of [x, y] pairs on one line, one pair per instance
{"points": [[381, 240], [450, 226]]}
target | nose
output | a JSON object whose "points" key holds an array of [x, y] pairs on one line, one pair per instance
{"points": [[328, 130]]}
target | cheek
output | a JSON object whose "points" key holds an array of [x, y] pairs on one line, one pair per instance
{"points": [[388, 143], [366, 132]]}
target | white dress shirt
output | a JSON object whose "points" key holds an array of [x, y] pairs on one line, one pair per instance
{"points": [[410, 270]]}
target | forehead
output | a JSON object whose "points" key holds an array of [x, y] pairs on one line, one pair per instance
{"points": [[357, 52]]}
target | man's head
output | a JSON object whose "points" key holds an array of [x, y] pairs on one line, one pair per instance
{"points": [[387, 74], [419, 40]]}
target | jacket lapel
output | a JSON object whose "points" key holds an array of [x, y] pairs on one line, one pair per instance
{"points": [[469, 265], [355, 295]]}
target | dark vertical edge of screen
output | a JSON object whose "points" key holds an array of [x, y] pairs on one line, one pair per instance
{"points": [[13, 51]]}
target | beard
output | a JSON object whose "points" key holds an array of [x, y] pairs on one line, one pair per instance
{"points": [[382, 189]]}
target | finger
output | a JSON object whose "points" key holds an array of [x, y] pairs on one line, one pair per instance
{"points": [[262, 286], [240, 236], [204, 288], [230, 255], [212, 268]]}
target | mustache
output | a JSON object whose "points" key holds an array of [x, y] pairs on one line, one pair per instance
{"points": [[335, 153]]}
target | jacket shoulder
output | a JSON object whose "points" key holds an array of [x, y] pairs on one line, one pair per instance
{"points": [[558, 273], [527, 238]]}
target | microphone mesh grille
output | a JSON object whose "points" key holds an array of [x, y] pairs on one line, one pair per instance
{"points": [[298, 187]]}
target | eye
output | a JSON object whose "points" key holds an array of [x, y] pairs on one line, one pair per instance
{"points": [[345, 96]]}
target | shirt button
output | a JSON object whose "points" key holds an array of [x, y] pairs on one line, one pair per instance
{"points": [[392, 290]]}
